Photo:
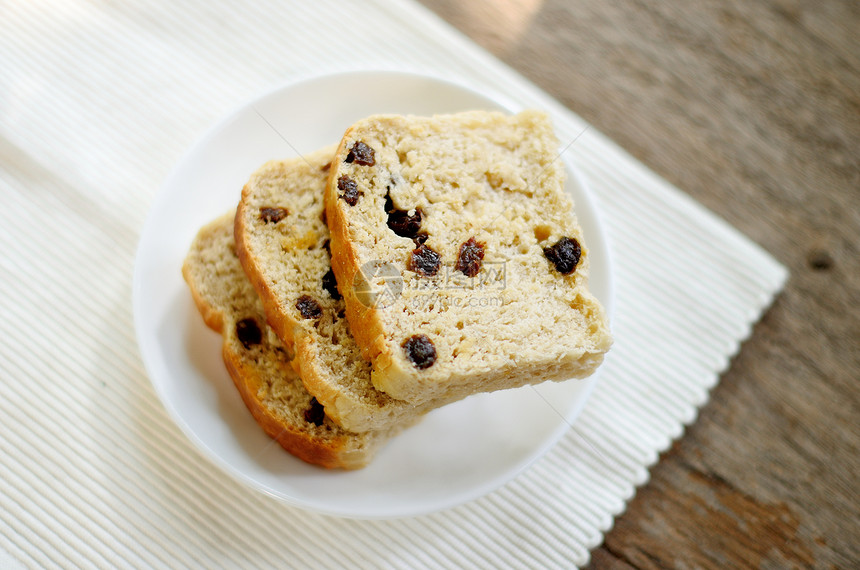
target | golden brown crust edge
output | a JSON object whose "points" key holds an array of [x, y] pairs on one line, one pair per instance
{"points": [[273, 310], [297, 443], [341, 409], [307, 368], [364, 323], [213, 318]]}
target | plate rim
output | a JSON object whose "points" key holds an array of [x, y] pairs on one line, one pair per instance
{"points": [[146, 347]]}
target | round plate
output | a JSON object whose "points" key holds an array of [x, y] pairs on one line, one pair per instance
{"points": [[456, 453]]}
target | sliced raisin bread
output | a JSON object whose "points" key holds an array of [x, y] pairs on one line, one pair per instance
{"points": [[470, 211], [282, 242], [259, 364]]}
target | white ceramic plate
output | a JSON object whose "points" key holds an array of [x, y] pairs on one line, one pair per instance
{"points": [[456, 453]]}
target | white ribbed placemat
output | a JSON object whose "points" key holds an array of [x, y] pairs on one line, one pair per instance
{"points": [[98, 101]]}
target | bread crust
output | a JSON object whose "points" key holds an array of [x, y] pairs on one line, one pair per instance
{"points": [[331, 455], [212, 317], [364, 322], [275, 311], [310, 370]]}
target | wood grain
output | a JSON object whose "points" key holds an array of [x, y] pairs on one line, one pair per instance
{"points": [[754, 109]]}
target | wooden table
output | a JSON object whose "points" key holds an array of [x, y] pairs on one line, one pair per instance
{"points": [[752, 107]]}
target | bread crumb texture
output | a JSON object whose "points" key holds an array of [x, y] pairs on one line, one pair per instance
{"points": [[480, 178]]}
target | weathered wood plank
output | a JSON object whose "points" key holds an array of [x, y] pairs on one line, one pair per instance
{"points": [[754, 109]]}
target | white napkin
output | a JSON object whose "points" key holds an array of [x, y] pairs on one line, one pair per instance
{"points": [[98, 101]]}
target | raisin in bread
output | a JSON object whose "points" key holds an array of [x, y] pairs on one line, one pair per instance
{"points": [[470, 212], [257, 361], [282, 242]]}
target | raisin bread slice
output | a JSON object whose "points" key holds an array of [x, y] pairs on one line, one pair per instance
{"points": [[259, 364], [469, 211], [282, 242]]}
